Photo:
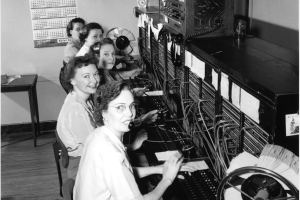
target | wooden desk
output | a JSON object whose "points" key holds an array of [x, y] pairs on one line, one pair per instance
{"points": [[27, 83]]}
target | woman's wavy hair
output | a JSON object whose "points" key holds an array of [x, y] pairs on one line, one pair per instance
{"points": [[85, 31], [74, 64], [104, 95], [71, 24]]}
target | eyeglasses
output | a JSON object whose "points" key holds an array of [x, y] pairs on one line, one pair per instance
{"points": [[122, 108]]}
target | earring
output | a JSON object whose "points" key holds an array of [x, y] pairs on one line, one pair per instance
{"points": [[73, 82]]}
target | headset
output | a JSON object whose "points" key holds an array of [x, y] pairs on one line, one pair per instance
{"points": [[131, 126], [96, 48]]}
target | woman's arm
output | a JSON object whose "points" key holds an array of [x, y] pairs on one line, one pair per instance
{"points": [[141, 172], [123, 178], [148, 118], [170, 170], [140, 137], [119, 75]]}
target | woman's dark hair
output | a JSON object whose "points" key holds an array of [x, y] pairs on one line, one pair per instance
{"points": [[74, 64], [104, 95], [85, 31], [95, 48], [71, 24]]}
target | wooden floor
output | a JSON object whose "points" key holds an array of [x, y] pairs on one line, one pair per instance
{"points": [[29, 172]]}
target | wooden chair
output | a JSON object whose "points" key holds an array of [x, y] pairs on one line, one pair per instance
{"points": [[60, 153]]}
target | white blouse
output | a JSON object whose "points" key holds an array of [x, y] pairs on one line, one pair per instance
{"points": [[84, 49], [104, 171]]}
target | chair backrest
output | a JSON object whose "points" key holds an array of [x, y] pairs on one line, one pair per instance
{"points": [[64, 152], [57, 153], [62, 76]]}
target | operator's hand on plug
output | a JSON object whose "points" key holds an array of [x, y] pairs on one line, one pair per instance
{"points": [[150, 117], [140, 137], [183, 168], [121, 66], [138, 92], [172, 166], [187, 169]]}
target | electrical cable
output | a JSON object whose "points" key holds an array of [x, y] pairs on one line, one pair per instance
{"points": [[205, 138], [168, 140], [241, 138], [216, 131], [168, 130], [218, 164], [209, 146], [222, 161], [157, 78], [223, 138], [146, 79], [200, 101], [185, 115], [218, 149], [202, 33]]}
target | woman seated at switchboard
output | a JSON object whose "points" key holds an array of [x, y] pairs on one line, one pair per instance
{"points": [[105, 50], [89, 35], [74, 45], [105, 171], [75, 121]]}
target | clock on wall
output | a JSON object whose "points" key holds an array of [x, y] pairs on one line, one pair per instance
{"points": [[142, 3]]}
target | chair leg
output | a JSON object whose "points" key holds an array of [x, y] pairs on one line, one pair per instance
{"points": [[68, 189], [56, 148]]}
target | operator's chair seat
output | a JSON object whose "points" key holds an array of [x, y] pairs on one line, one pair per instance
{"points": [[60, 153]]}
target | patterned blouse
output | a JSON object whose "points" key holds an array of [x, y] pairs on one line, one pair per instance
{"points": [[75, 122]]}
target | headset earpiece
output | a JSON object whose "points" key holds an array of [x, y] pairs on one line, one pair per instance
{"points": [[96, 49], [131, 126]]}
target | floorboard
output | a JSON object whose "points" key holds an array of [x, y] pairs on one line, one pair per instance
{"points": [[29, 172]]}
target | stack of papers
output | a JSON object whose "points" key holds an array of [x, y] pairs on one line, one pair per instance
{"points": [[165, 155]]}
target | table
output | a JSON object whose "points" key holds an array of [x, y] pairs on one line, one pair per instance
{"points": [[27, 83]]}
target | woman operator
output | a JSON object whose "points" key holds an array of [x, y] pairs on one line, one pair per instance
{"points": [[105, 171]]}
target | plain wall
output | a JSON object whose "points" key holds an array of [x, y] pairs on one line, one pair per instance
{"points": [[18, 56], [276, 21]]}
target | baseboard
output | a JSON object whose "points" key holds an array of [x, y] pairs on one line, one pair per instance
{"points": [[11, 129]]}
